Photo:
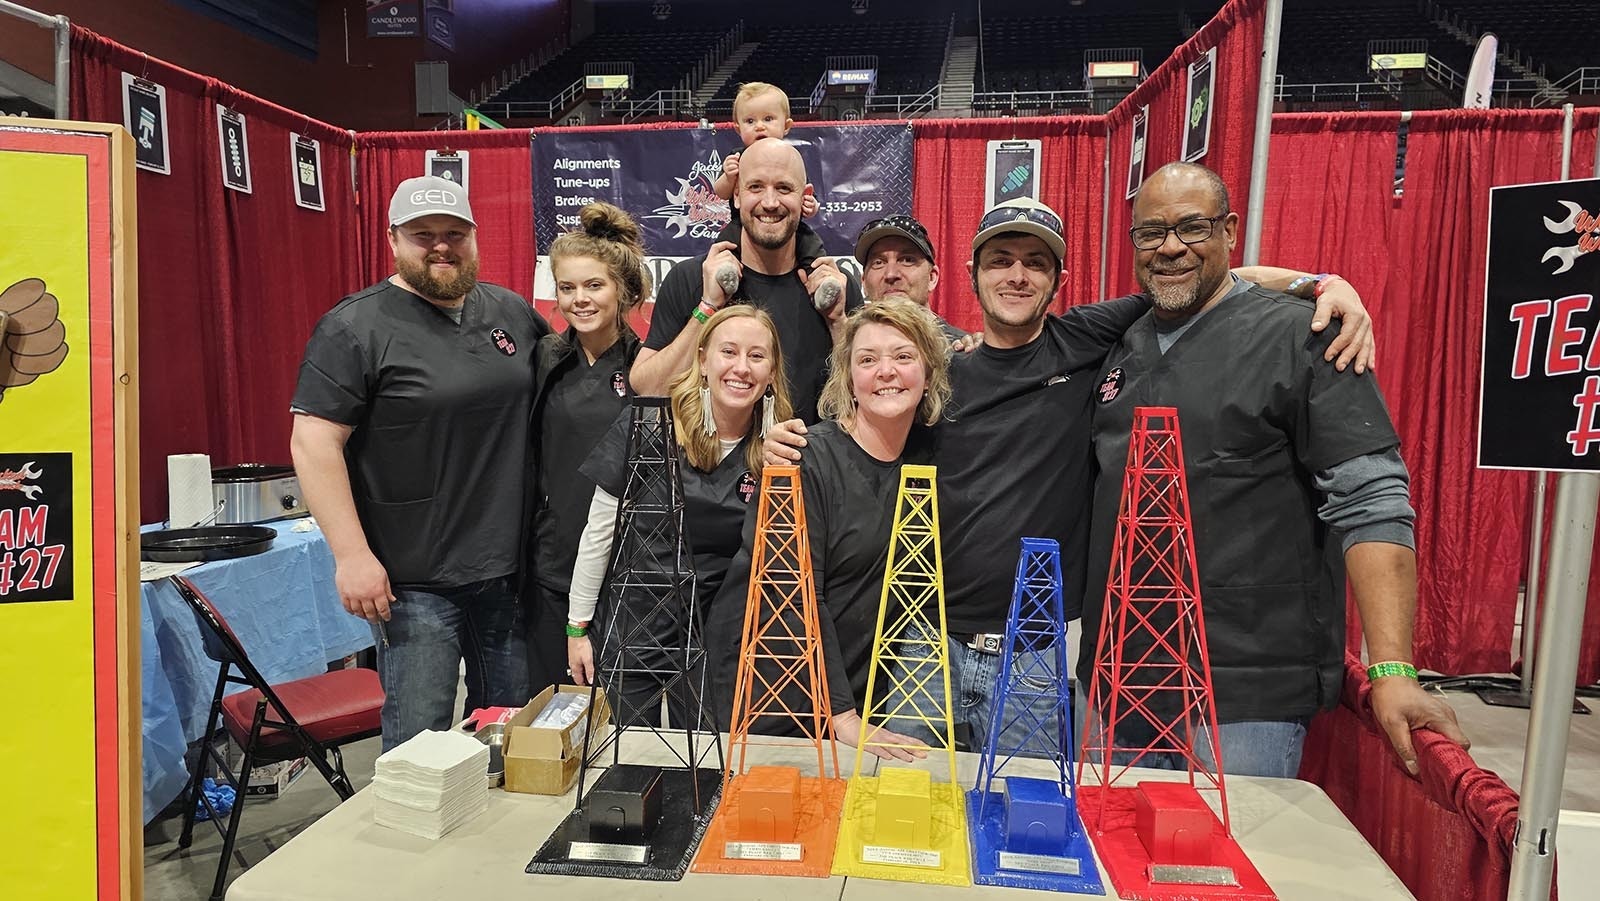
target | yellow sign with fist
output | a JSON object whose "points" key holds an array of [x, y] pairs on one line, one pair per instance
{"points": [[69, 591]]}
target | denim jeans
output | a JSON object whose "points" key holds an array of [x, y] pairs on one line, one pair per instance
{"points": [[1249, 747], [430, 633], [1030, 727]]}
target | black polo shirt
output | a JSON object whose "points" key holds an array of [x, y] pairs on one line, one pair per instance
{"points": [[438, 458], [577, 402], [1014, 459], [1260, 412], [714, 503]]}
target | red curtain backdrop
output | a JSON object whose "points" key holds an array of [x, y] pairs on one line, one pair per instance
{"points": [[1447, 834], [499, 186], [1419, 262], [1236, 31], [230, 284], [948, 191]]}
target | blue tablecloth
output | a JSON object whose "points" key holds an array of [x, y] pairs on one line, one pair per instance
{"points": [[286, 612]]}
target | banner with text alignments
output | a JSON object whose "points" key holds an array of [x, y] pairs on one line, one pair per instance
{"points": [[664, 179]]}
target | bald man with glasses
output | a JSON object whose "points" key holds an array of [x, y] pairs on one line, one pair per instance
{"points": [[1295, 479]]}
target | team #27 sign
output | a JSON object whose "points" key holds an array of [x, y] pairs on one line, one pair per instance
{"points": [[1540, 403]]}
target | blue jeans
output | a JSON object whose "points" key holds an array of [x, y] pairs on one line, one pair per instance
{"points": [[1030, 727], [430, 633], [1249, 747]]}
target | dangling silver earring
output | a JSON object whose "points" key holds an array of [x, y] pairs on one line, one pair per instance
{"points": [[769, 414], [707, 421]]}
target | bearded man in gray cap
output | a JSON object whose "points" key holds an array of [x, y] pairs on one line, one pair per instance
{"points": [[411, 419]]}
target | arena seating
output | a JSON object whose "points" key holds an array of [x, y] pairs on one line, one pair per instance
{"points": [[1046, 53], [1323, 42], [660, 58], [1561, 34], [910, 55], [1327, 42]]}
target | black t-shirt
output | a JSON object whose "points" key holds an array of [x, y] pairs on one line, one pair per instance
{"points": [[1260, 411], [849, 502], [438, 458], [802, 331], [714, 502], [1014, 460], [577, 403]]}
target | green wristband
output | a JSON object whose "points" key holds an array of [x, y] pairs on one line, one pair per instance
{"points": [[577, 630], [1391, 668]]}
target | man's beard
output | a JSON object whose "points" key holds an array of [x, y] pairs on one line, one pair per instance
{"points": [[422, 280], [767, 241], [1173, 298]]}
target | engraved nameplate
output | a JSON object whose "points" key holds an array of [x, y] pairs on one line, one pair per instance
{"points": [[900, 857], [761, 850], [609, 853], [1191, 874], [1041, 863]]}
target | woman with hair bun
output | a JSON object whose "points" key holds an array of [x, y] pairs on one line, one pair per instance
{"points": [[580, 386]]}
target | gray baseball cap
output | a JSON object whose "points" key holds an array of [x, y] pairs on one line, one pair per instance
{"points": [[429, 195], [1026, 216]]}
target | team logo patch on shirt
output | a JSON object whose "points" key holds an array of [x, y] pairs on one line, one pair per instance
{"points": [[1111, 386], [503, 342], [747, 486], [619, 383]]}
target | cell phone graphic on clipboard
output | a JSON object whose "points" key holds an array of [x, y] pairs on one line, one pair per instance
{"points": [[1013, 171]]}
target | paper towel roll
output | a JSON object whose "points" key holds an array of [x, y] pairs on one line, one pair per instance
{"points": [[189, 498]]}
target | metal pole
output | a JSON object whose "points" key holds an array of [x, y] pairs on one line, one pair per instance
{"points": [[1530, 595], [63, 30], [1566, 141], [63, 67], [1105, 220], [1541, 485], [1545, 754], [1262, 146]]}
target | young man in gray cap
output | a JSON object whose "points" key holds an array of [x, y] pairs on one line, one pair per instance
{"points": [[897, 260], [410, 436]]}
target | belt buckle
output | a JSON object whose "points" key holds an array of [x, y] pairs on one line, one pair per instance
{"points": [[987, 643]]}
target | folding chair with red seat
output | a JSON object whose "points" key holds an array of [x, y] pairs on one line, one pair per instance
{"points": [[309, 718]]}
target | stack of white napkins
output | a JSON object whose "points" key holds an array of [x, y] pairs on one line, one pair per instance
{"points": [[431, 784]]}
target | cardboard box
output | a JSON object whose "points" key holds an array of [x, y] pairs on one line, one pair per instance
{"points": [[272, 779], [545, 761]]}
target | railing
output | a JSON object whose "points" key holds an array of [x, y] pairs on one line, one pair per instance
{"points": [[1441, 91], [1040, 102], [1390, 46], [1334, 92], [906, 106], [667, 102], [1585, 80], [519, 109]]}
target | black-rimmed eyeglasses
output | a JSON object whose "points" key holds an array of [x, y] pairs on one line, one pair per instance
{"points": [[1189, 231], [1003, 214]]}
